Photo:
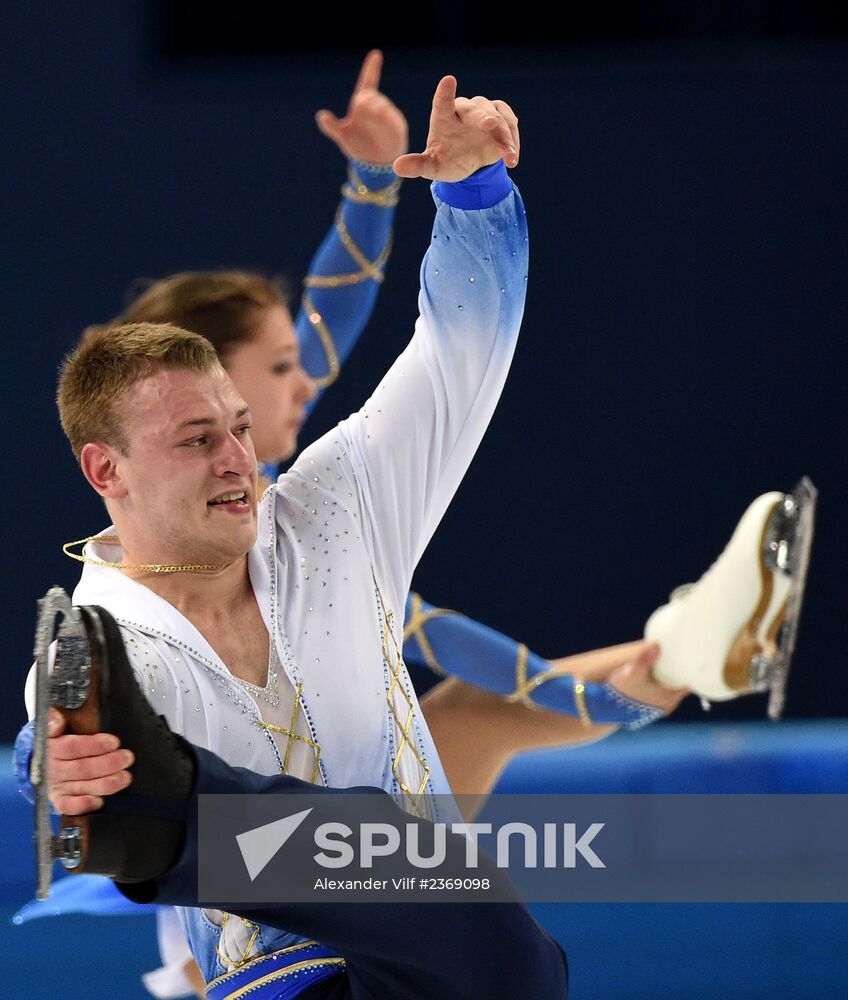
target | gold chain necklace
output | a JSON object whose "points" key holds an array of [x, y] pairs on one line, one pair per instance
{"points": [[141, 567]]}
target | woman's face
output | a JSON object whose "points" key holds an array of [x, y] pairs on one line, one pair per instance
{"points": [[267, 372]]}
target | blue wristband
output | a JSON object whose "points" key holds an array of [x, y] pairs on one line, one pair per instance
{"points": [[633, 714], [484, 188]]}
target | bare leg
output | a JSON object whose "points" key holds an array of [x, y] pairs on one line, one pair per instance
{"points": [[478, 733], [193, 975]]}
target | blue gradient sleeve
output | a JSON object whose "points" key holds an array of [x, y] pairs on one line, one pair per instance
{"points": [[451, 644]]}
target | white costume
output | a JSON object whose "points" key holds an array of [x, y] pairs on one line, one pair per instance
{"points": [[339, 536]]}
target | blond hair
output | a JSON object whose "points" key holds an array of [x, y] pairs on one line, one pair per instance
{"points": [[110, 360]]}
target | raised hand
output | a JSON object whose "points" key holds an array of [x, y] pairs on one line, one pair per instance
{"points": [[374, 129], [465, 135], [635, 680]]}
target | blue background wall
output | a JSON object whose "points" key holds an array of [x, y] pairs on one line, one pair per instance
{"points": [[683, 349], [684, 343]]}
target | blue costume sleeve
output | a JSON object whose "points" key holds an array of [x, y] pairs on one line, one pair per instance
{"points": [[452, 645], [89, 894], [21, 757], [344, 276]]}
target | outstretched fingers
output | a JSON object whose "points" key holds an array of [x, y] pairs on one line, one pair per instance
{"points": [[329, 124], [411, 165], [466, 133], [494, 117], [373, 129], [509, 131], [369, 74], [443, 117], [444, 99]]}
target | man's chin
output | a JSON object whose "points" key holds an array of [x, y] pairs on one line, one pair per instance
{"points": [[237, 542], [243, 538]]}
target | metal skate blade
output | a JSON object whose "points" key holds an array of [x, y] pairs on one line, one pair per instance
{"points": [[790, 549], [63, 686]]}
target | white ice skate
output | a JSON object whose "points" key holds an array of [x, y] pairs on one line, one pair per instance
{"points": [[733, 632]]}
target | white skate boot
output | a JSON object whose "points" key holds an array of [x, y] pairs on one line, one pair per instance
{"points": [[733, 632]]}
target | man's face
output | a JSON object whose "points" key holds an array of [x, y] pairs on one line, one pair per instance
{"points": [[189, 474]]}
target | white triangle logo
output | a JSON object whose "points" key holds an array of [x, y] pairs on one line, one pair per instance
{"points": [[258, 846]]}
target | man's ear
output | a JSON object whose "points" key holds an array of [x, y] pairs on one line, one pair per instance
{"points": [[100, 467]]}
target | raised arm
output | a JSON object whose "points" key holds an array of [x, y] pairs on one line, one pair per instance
{"points": [[346, 272], [411, 443]]}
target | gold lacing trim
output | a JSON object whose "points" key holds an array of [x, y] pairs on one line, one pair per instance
{"points": [[355, 190], [525, 687], [372, 270], [580, 701], [259, 959], [415, 626], [140, 567], [368, 268], [237, 965], [281, 974], [394, 661], [320, 327], [365, 196], [293, 737]]}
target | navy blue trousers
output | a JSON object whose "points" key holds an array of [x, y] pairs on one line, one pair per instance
{"points": [[393, 951]]}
